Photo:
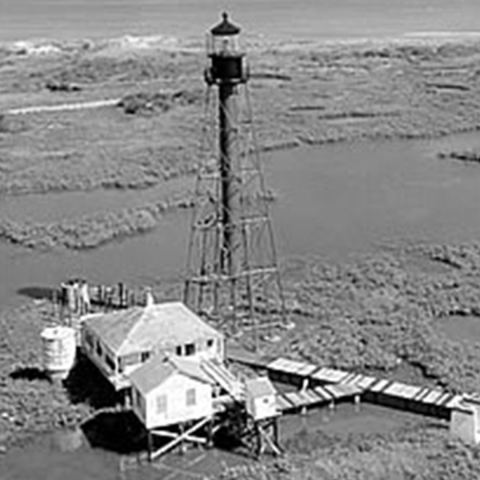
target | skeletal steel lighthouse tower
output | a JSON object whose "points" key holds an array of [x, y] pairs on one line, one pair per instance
{"points": [[232, 273]]}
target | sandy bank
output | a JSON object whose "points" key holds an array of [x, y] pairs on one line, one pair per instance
{"points": [[62, 107]]}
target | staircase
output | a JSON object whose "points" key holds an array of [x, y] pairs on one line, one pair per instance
{"points": [[224, 378]]}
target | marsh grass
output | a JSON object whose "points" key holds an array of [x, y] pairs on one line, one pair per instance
{"points": [[315, 94], [377, 315], [91, 231], [374, 315]]}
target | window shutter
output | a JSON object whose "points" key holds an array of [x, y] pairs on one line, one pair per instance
{"points": [[161, 404], [191, 397]]}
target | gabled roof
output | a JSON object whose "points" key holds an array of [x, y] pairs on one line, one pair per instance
{"points": [[158, 369], [140, 329], [260, 387]]}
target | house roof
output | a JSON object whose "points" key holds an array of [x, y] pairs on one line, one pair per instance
{"points": [[139, 329], [153, 373], [260, 387]]}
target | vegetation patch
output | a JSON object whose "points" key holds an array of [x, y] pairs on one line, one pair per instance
{"points": [[424, 452], [468, 156], [11, 125], [29, 402], [313, 94], [90, 231], [149, 103], [377, 316]]}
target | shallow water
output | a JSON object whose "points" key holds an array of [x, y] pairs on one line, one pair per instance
{"points": [[47, 458], [333, 201], [53, 458], [460, 328], [347, 419], [60, 206], [340, 199]]}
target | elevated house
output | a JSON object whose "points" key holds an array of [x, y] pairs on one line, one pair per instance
{"points": [[121, 341], [171, 390]]}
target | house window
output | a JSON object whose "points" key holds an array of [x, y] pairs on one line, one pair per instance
{"points": [[99, 349], [161, 404], [130, 359], [190, 349], [210, 343], [178, 351], [110, 363], [89, 341], [144, 356], [138, 399], [191, 397]]}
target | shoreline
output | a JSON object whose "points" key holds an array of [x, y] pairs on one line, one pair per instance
{"points": [[138, 43]]}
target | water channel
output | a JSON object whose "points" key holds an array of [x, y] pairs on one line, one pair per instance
{"points": [[333, 201], [59, 456]]}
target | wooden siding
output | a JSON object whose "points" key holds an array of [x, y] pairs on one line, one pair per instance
{"points": [[117, 378], [138, 405], [202, 350], [175, 390], [464, 424], [263, 407]]}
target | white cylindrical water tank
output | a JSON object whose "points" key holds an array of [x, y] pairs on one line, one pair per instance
{"points": [[59, 350]]}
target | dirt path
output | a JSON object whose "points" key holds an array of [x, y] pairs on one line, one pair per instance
{"points": [[63, 106]]}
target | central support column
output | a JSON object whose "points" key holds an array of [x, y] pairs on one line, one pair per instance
{"points": [[227, 176]]}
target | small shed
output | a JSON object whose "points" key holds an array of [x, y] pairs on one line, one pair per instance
{"points": [[171, 390], [261, 398], [464, 420]]}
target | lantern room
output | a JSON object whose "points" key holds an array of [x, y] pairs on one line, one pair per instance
{"points": [[224, 52]]}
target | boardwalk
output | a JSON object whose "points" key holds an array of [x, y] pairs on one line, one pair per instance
{"points": [[295, 401], [329, 384]]}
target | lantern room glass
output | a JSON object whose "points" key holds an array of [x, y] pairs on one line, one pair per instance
{"points": [[223, 45], [223, 39]]}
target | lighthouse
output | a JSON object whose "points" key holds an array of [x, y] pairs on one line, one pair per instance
{"points": [[232, 274]]}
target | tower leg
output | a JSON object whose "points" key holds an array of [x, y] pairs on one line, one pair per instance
{"points": [[209, 443], [181, 445], [150, 445], [268, 436], [275, 431], [259, 441]]}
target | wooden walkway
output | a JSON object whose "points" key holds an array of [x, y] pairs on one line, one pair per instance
{"points": [[334, 385], [291, 402]]}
